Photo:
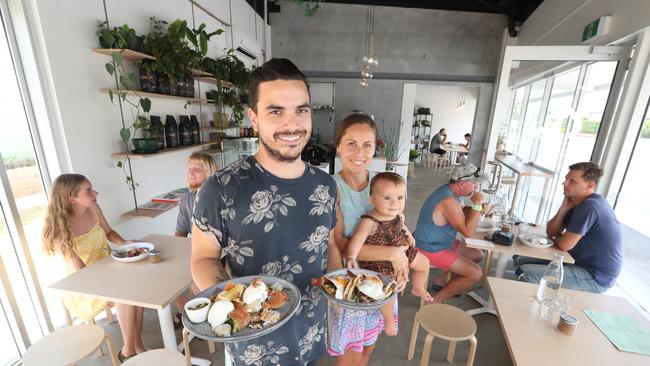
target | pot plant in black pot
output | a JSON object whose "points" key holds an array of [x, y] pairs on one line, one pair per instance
{"points": [[117, 37]]}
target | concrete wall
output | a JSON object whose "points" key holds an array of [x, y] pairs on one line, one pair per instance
{"points": [[91, 123], [406, 40], [561, 22]]}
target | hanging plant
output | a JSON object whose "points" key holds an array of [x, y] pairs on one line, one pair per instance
{"points": [[311, 6], [140, 109]]}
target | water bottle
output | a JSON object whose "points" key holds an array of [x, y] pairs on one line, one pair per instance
{"points": [[552, 279]]}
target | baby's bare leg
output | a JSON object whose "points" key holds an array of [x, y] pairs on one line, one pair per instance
{"points": [[389, 321], [420, 269]]}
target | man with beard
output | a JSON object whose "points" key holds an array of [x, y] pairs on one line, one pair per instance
{"points": [[586, 226], [441, 217], [199, 167], [272, 214]]}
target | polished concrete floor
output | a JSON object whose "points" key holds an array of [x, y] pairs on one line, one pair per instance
{"points": [[492, 348]]}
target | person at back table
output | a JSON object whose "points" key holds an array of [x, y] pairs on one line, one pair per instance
{"points": [[586, 227], [199, 167], [441, 217], [437, 141], [468, 141]]}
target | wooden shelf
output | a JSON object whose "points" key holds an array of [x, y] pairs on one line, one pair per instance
{"points": [[213, 151], [148, 214], [161, 152], [156, 95], [212, 80], [127, 54], [131, 55], [216, 129]]}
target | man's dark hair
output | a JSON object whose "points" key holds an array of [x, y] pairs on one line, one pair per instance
{"points": [[442, 129], [468, 135], [590, 172], [274, 69], [394, 178]]}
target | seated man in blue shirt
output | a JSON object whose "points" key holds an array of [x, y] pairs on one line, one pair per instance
{"points": [[586, 227]]}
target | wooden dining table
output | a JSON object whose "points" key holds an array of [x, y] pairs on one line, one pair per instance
{"points": [[505, 253], [145, 284], [453, 150], [533, 341]]}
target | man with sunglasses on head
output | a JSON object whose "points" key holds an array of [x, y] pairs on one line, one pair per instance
{"points": [[442, 216]]}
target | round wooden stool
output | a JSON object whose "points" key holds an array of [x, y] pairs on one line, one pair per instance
{"points": [[160, 357], [446, 322], [68, 346]]}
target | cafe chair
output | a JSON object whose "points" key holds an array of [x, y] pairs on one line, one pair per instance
{"points": [[158, 357], [69, 346], [109, 320], [446, 322]]}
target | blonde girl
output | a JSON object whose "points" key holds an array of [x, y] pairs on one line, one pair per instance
{"points": [[75, 228]]}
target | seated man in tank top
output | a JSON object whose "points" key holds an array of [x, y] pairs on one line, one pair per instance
{"points": [[441, 217]]}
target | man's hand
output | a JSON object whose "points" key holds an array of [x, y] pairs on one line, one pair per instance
{"points": [[478, 198], [567, 204]]}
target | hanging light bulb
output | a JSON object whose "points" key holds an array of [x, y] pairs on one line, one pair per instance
{"points": [[363, 82], [366, 74]]}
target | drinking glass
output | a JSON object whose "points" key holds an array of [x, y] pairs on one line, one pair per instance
{"points": [[523, 228], [564, 302], [549, 306]]}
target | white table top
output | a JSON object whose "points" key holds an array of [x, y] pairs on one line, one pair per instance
{"points": [[518, 166], [140, 283], [533, 341], [478, 241], [456, 148]]}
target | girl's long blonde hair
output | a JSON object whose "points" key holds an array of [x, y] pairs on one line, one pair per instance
{"points": [[59, 210]]}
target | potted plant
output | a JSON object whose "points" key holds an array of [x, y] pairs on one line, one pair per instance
{"points": [[223, 97], [177, 49], [393, 147], [413, 155], [118, 37]]}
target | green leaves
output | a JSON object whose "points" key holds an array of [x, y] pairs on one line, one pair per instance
{"points": [[125, 134], [109, 68], [145, 103], [117, 58]]}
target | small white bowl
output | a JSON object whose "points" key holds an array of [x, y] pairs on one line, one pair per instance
{"points": [[200, 315]]}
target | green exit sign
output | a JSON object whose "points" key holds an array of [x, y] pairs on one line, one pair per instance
{"points": [[596, 29]]}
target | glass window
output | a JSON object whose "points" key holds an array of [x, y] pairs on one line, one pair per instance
{"points": [[529, 128]]}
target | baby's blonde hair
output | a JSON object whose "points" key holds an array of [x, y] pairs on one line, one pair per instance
{"points": [[59, 210]]}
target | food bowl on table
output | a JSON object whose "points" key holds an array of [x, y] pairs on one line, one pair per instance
{"points": [[245, 308], [132, 252], [197, 309], [357, 289], [536, 241]]}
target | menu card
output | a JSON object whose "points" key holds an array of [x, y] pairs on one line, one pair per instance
{"points": [[626, 333]]}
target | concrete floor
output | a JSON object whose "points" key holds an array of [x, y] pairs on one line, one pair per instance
{"points": [[492, 349]]}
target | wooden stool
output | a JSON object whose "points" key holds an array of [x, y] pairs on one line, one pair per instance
{"points": [[159, 357], [109, 319], [68, 346], [446, 322]]}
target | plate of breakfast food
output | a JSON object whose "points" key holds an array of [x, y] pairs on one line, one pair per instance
{"points": [[132, 252], [357, 289], [241, 309]]}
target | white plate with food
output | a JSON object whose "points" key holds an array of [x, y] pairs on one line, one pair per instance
{"points": [[357, 289], [536, 241], [132, 252], [484, 226], [245, 308]]}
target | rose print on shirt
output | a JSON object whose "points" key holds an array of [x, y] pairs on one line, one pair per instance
{"points": [[266, 205], [317, 242], [321, 200], [282, 269]]}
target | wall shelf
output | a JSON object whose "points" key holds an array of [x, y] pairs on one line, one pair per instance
{"points": [[214, 81], [173, 150], [148, 214], [127, 54], [217, 129], [131, 55], [156, 95]]}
